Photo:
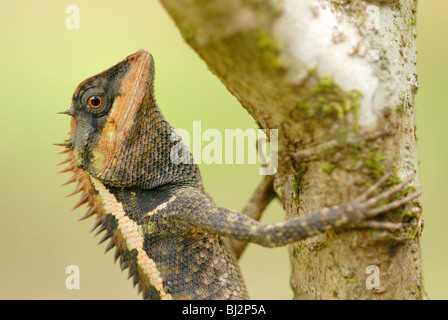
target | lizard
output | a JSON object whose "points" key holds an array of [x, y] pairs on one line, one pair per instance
{"points": [[155, 212]]}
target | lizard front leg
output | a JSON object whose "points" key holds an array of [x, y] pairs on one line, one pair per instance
{"points": [[353, 214]]}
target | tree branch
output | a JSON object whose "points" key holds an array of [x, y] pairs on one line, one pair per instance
{"points": [[325, 73]]}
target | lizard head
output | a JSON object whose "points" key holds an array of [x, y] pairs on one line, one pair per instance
{"points": [[118, 134]]}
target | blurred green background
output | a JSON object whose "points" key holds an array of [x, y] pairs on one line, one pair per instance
{"points": [[41, 64]]}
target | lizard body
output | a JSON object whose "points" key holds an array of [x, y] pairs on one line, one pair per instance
{"points": [[175, 241]]}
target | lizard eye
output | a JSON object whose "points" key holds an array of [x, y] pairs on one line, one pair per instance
{"points": [[95, 102]]}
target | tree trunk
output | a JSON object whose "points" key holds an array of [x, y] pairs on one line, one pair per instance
{"points": [[337, 79]]}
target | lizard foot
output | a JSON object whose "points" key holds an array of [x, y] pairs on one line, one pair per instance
{"points": [[370, 206]]}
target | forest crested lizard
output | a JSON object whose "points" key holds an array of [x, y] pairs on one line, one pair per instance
{"points": [[176, 243]]}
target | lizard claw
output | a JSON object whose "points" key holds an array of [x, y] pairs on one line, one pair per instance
{"points": [[368, 204]]}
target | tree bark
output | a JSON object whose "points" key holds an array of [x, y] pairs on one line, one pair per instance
{"points": [[337, 79]]}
